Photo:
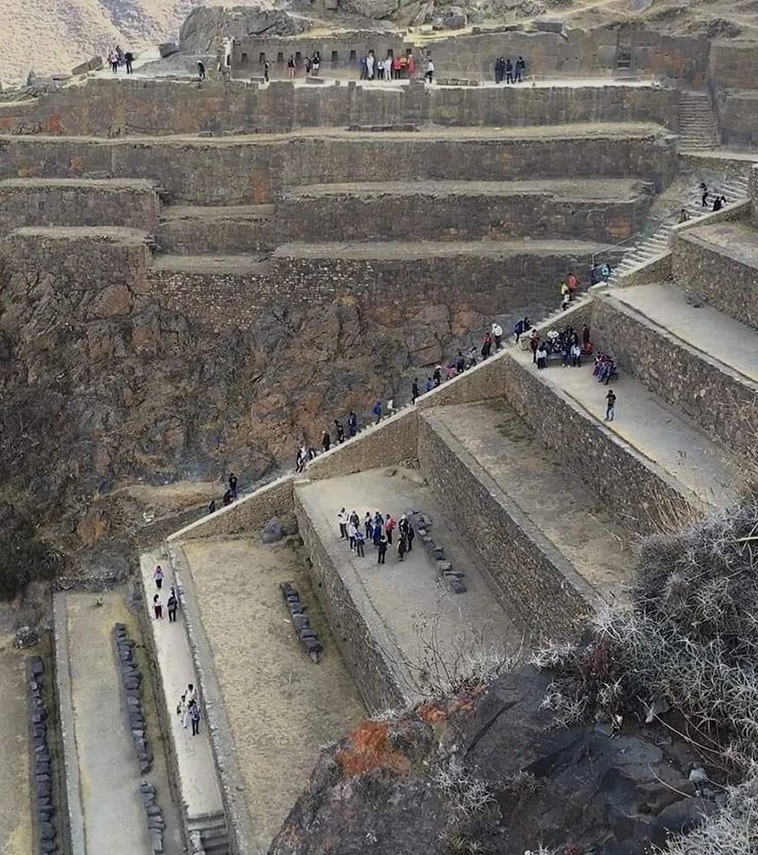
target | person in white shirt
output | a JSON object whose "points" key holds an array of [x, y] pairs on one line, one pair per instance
{"points": [[497, 334], [342, 517], [429, 70], [370, 66]]}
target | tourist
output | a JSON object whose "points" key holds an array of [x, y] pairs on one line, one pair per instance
{"points": [[576, 355], [499, 69], [683, 216], [369, 526], [266, 70], [411, 66], [291, 66], [377, 526], [437, 376], [428, 385], [573, 284], [389, 527], [351, 529], [360, 541], [158, 576], [326, 441], [181, 710], [113, 60], [497, 334], [363, 69], [610, 406], [414, 389], [128, 60], [429, 75], [193, 711], [370, 61], [352, 424], [381, 554], [402, 545], [716, 203], [460, 362], [518, 330], [534, 343], [391, 407], [171, 605], [311, 453], [377, 411], [487, 345], [340, 431], [410, 534], [315, 63], [201, 73], [519, 71], [542, 356], [342, 520], [228, 498], [212, 506], [586, 346], [300, 459], [119, 55], [307, 64], [157, 607], [190, 697], [233, 484], [704, 194], [508, 71]]}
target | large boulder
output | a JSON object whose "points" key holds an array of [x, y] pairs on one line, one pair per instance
{"points": [[207, 26]]}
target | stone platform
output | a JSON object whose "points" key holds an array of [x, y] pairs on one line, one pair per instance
{"points": [[196, 230], [388, 617]]}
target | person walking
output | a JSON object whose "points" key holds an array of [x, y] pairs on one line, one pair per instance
{"points": [[194, 716], [340, 431], [157, 607], [381, 555], [352, 424], [326, 441], [172, 604], [158, 576], [402, 545], [201, 72], [378, 411], [429, 74], [497, 334], [414, 390], [487, 345], [610, 405], [534, 343], [542, 356], [233, 485], [428, 385]]}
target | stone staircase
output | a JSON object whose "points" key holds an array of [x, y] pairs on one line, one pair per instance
{"points": [[734, 187], [698, 128], [208, 835]]}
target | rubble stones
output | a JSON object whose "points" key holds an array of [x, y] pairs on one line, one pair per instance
{"points": [[450, 575], [156, 825], [304, 630], [42, 770], [131, 680], [26, 636]]}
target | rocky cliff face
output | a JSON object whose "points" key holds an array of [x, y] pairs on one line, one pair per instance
{"points": [[486, 772]]}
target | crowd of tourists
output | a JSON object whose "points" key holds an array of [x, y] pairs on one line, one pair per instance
{"points": [[382, 532], [508, 71], [230, 494]]}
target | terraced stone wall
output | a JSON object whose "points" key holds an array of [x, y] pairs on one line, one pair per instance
{"points": [[158, 107], [229, 172]]}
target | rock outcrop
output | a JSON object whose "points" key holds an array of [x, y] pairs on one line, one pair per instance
{"points": [[488, 769]]}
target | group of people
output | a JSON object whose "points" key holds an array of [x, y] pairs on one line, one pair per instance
{"points": [[378, 530], [394, 67], [172, 602], [188, 709], [312, 65], [719, 200], [118, 57], [566, 344], [230, 494], [568, 288], [509, 71]]}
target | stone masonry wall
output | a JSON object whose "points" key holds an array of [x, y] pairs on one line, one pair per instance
{"points": [[375, 675], [722, 402], [527, 573], [133, 204], [159, 107], [473, 215], [716, 277], [245, 171], [737, 113], [641, 494]]}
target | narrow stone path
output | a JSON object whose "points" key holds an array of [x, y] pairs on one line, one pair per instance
{"points": [[114, 817]]}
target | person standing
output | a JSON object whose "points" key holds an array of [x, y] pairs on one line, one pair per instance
{"points": [[429, 75], [378, 411], [201, 73], [381, 555], [402, 545], [113, 59], [378, 526], [340, 431], [414, 390], [157, 607], [369, 526], [360, 541], [497, 334], [158, 576], [326, 441], [342, 520], [212, 506], [508, 71], [351, 533], [171, 605], [291, 67], [428, 385], [194, 716], [487, 346], [520, 69], [266, 70], [128, 60], [534, 343], [370, 61], [542, 356], [352, 424], [610, 405], [233, 484], [409, 535], [389, 527], [411, 66]]}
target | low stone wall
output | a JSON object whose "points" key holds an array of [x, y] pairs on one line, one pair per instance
{"points": [[244, 171], [437, 214], [132, 204], [716, 276], [737, 112], [363, 644], [126, 107], [247, 515], [207, 232], [721, 401], [527, 573], [639, 491]]}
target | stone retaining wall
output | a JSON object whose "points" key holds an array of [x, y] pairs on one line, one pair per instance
{"points": [[247, 171], [126, 107], [642, 494], [364, 644], [526, 571], [721, 401]]}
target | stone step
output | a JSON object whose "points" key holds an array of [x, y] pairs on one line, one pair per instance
{"points": [[47, 202], [696, 359], [565, 554], [718, 264], [650, 464], [587, 209], [198, 230]]}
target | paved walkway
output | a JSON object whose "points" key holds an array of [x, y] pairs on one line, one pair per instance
{"points": [[648, 425], [405, 598], [703, 328], [199, 789], [114, 816]]}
